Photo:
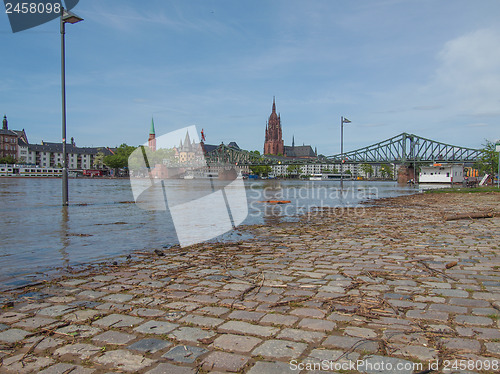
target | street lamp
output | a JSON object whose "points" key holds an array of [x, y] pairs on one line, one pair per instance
{"points": [[342, 121], [66, 17]]}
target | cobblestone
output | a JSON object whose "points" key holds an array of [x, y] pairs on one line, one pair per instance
{"points": [[184, 353], [301, 335], [279, 319], [202, 320], [317, 324], [113, 337], [474, 320], [279, 349], [124, 360], [16, 364], [263, 367], [118, 320], [247, 328], [156, 327], [325, 289], [63, 368], [150, 345], [164, 368], [236, 343], [348, 342], [12, 335], [82, 350], [224, 361]]}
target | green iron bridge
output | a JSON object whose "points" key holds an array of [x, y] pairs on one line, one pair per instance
{"points": [[401, 149]]}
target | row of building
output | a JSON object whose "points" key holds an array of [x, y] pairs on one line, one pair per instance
{"points": [[14, 144]]}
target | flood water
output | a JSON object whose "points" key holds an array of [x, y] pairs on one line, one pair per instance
{"points": [[39, 236]]}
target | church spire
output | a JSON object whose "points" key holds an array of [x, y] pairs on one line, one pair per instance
{"points": [[152, 130], [152, 136], [293, 141], [274, 104], [187, 141]]}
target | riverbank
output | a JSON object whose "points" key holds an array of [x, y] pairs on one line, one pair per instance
{"points": [[394, 282]]}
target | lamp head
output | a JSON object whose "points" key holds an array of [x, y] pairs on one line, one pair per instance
{"points": [[70, 17]]}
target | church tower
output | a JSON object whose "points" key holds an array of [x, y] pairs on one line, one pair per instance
{"points": [[274, 144], [152, 137]]}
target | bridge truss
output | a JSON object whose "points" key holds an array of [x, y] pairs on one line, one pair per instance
{"points": [[407, 148], [401, 149]]}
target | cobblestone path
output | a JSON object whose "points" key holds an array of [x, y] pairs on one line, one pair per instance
{"points": [[394, 285]]}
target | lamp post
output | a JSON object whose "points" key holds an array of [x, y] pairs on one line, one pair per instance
{"points": [[66, 17], [342, 121]]}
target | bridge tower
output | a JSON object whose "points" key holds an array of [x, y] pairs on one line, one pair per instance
{"points": [[274, 144]]}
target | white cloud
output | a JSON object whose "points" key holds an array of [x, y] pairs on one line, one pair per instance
{"points": [[469, 72]]}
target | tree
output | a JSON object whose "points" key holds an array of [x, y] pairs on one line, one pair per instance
{"points": [[261, 170], [99, 160], [7, 160], [367, 169], [164, 156], [386, 171], [294, 169], [119, 159], [487, 163]]}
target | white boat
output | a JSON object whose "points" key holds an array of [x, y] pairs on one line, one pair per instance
{"points": [[201, 175], [28, 171], [316, 177]]}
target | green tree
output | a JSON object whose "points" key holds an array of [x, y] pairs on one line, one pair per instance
{"points": [[487, 163], [294, 170], [386, 171], [98, 160], [162, 156], [7, 160], [367, 169], [261, 170], [119, 159]]}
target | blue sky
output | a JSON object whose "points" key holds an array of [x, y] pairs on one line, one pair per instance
{"points": [[426, 67]]}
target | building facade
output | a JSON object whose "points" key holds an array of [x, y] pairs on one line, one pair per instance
{"points": [[8, 140], [310, 169], [50, 155]]}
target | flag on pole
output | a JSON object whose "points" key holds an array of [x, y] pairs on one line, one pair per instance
{"points": [[202, 135], [346, 120]]}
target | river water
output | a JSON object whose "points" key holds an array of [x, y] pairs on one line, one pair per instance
{"points": [[38, 236]]}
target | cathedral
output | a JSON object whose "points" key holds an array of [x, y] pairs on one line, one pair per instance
{"points": [[274, 144]]}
